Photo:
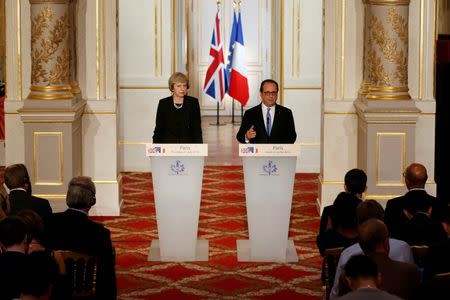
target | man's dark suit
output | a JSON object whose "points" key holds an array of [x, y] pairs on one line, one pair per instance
{"points": [[396, 220], [21, 200], [398, 278], [73, 230], [283, 127], [437, 259], [178, 125], [12, 266]]}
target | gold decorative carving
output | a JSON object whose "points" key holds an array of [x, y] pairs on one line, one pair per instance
{"points": [[61, 70], [389, 48], [388, 2], [47, 89], [401, 70], [399, 24], [47, 38], [66, 96], [50, 1], [389, 96], [40, 23], [389, 89], [75, 87], [377, 74]]}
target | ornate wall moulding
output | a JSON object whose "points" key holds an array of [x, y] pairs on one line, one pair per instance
{"points": [[388, 2]]}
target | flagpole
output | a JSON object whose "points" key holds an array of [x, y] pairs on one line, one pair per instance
{"points": [[232, 99], [217, 123], [217, 118], [232, 110]]}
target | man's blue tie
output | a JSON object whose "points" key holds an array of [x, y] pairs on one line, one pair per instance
{"points": [[268, 121]]}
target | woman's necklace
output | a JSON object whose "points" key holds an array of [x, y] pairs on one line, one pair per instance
{"points": [[178, 105]]}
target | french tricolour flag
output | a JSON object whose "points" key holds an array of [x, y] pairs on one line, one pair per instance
{"points": [[231, 50], [238, 88], [216, 73]]}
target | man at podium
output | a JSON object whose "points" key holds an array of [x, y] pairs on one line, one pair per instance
{"points": [[268, 122]]}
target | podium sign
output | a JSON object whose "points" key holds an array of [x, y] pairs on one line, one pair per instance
{"points": [[269, 172], [177, 173]]}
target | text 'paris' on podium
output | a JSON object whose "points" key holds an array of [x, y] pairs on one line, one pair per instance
{"points": [[177, 173], [269, 173]]}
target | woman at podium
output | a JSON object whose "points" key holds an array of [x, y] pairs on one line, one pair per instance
{"points": [[178, 116]]}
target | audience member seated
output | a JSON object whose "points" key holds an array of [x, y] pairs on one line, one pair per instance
{"points": [[355, 182], [398, 278], [343, 231], [13, 237], [19, 185], [415, 179], [361, 274], [35, 229], [35, 232], [437, 259], [421, 229], [398, 250], [73, 230], [39, 276]]}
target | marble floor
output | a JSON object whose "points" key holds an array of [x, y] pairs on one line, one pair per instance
{"points": [[221, 140]]}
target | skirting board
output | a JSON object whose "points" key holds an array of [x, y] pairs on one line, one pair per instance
{"points": [[202, 253], [243, 253]]}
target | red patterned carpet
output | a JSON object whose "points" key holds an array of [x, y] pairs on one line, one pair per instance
{"points": [[222, 221]]}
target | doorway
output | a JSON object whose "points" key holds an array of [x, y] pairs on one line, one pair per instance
{"points": [[442, 146]]}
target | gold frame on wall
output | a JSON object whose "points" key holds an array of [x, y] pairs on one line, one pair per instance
{"points": [[60, 136]]}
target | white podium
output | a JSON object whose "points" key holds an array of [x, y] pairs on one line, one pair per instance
{"points": [[177, 172], [269, 173]]}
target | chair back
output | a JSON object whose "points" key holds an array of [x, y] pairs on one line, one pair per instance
{"points": [[81, 270], [330, 261], [419, 252], [436, 287]]}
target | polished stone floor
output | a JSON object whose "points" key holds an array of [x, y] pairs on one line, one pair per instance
{"points": [[221, 140]]}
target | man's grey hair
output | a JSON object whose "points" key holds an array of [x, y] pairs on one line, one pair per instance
{"points": [[81, 193]]}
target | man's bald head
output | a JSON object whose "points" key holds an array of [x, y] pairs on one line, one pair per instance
{"points": [[415, 176]]}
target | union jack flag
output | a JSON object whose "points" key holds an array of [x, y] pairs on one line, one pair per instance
{"points": [[216, 73]]}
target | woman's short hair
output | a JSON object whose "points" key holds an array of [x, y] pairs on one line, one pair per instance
{"points": [[177, 77]]}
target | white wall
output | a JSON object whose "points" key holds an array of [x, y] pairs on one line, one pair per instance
{"points": [[146, 61], [148, 57], [301, 71]]}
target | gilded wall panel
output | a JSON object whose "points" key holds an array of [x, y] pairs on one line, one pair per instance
{"points": [[390, 158], [48, 154]]}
